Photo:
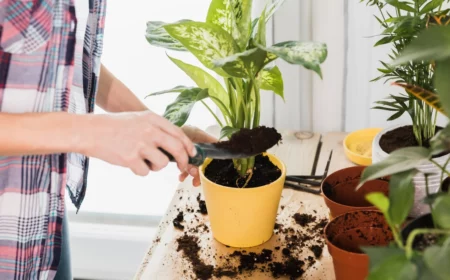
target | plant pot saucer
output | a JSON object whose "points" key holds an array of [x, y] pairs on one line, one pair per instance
{"points": [[358, 145]]}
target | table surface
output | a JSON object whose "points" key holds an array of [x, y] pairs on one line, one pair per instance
{"points": [[304, 153]]}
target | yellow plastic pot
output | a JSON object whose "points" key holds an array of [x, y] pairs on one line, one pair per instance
{"points": [[242, 217]]}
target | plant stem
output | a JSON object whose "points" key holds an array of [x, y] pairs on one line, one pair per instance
{"points": [[442, 173], [257, 113], [214, 115], [440, 167], [414, 233]]}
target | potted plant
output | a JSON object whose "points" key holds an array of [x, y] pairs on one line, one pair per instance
{"points": [[242, 196], [402, 22], [421, 249]]}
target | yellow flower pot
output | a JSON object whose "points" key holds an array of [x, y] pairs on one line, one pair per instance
{"points": [[242, 217]]}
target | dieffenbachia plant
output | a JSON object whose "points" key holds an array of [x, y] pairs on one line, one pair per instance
{"points": [[234, 46], [400, 260], [402, 21]]}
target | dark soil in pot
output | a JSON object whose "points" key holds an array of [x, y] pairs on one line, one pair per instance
{"points": [[251, 141], [401, 137], [422, 241]]}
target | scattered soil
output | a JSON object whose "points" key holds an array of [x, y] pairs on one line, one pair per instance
{"points": [[222, 172], [201, 205], [401, 137], [178, 220], [304, 219], [292, 268], [251, 141], [188, 244], [317, 250]]}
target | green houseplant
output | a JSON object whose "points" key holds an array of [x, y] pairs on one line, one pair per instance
{"points": [[233, 46], [422, 249], [402, 21]]}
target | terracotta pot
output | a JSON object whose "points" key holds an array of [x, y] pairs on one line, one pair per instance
{"points": [[347, 233], [340, 195], [434, 180]]}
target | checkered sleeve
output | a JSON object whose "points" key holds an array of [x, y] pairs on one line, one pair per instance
{"points": [[25, 25]]}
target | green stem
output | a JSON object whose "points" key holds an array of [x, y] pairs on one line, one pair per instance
{"points": [[243, 163], [440, 167], [251, 163], [214, 115], [414, 233], [257, 114], [442, 173], [232, 97]]}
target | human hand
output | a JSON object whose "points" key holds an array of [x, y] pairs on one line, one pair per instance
{"points": [[197, 136], [128, 139]]}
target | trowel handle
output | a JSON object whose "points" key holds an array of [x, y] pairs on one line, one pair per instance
{"points": [[196, 161]]}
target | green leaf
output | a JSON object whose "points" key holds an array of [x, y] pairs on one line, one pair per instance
{"points": [[441, 141], [431, 44], [384, 41], [401, 196], [205, 80], [308, 54], [399, 161], [272, 79], [178, 112], [441, 211], [442, 81], [401, 5], [260, 37], [243, 65], [227, 131], [175, 89], [379, 200], [437, 259], [378, 255], [273, 8], [233, 16], [395, 267], [396, 115], [208, 42], [431, 6], [156, 35]]}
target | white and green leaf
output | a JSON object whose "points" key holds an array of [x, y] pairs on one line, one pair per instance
{"points": [[206, 81], [233, 16], [273, 8], [206, 41], [156, 35], [308, 54], [175, 89], [243, 65], [260, 36], [272, 79], [178, 112]]}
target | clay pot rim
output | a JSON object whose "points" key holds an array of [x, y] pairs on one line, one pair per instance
{"points": [[329, 243], [328, 199]]}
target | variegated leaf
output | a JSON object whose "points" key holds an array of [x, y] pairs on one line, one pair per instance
{"points": [[234, 16], [308, 54], [175, 89], [428, 97], [156, 35], [206, 81], [243, 65], [260, 36], [208, 42], [178, 112], [273, 8], [271, 79]]}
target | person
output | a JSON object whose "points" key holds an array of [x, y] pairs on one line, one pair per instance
{"points": [[48, 89]]}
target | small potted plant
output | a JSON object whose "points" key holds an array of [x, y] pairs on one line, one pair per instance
{"points": [[402, 22], [242, 196], [422, 248]]}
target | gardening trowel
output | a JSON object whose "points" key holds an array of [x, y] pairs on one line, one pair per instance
{"points": [[206, 150]]}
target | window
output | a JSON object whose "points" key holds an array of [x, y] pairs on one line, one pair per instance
{"points": [[144, 69]]}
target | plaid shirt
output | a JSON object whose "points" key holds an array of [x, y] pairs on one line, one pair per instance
{"points": [[38, 73]]}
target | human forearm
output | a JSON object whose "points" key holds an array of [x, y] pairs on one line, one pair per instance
{"points": [[114, 96], [41, 133]]}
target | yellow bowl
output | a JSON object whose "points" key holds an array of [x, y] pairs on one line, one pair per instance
{"points": [[358, 145]]}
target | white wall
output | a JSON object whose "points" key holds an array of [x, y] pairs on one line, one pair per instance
{"points": [[342, 100]]}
